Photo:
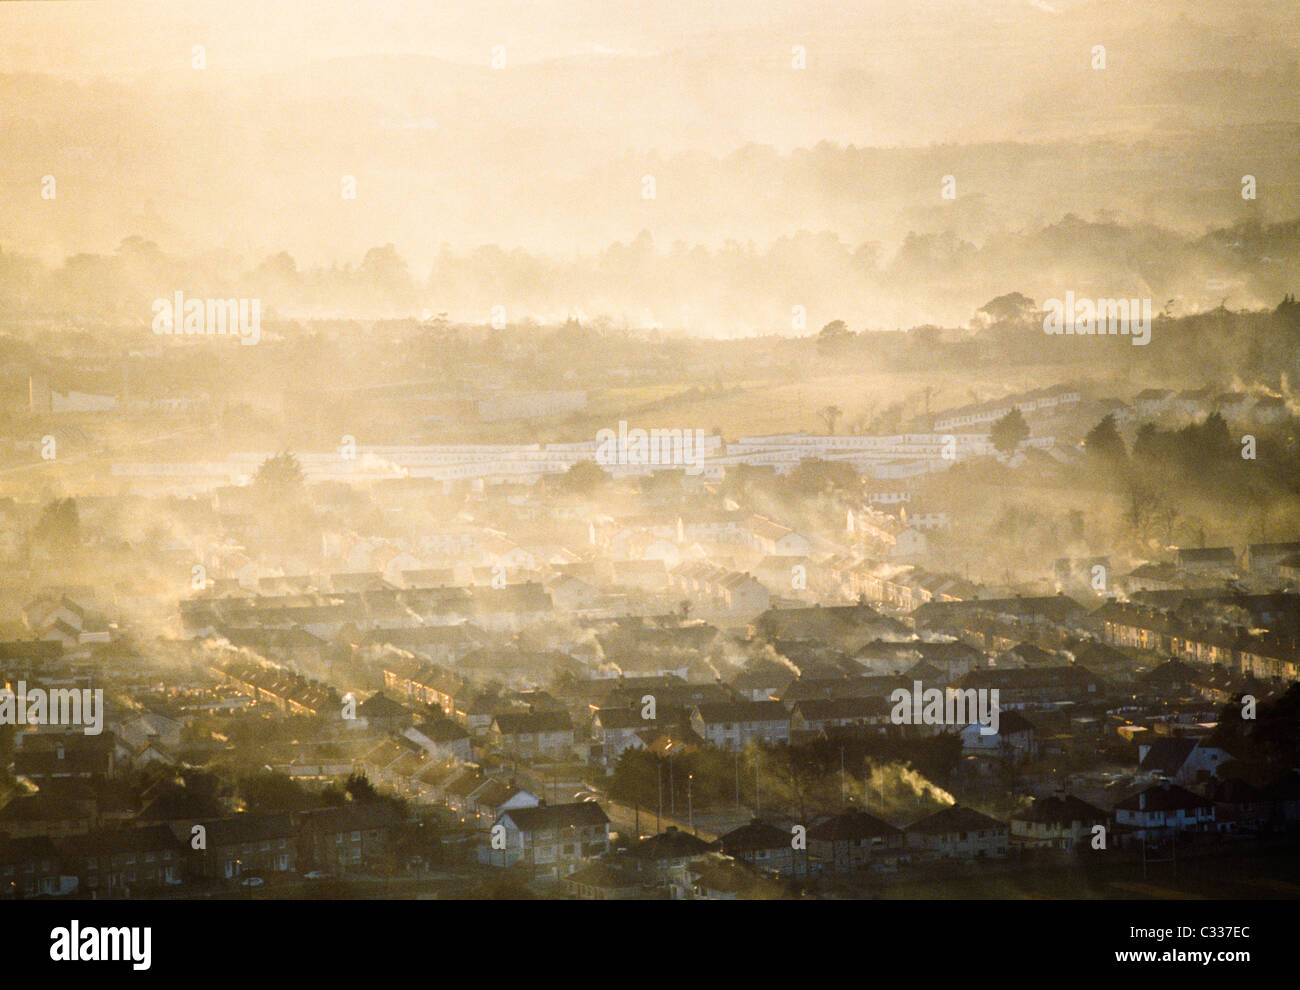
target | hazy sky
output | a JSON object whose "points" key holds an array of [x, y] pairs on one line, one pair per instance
{"points": [[126, 37], [247, 157]]}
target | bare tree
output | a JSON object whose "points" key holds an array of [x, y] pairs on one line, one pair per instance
{"points": [[830, 415]]}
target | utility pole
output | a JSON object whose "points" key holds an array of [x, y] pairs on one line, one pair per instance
{"points": [[842, 782], [672, 790], [659, 812]]}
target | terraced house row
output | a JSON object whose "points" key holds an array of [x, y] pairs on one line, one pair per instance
{"points": [[1267, 656]]}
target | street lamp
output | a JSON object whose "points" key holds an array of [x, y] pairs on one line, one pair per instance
{"points": [[690, 806]]}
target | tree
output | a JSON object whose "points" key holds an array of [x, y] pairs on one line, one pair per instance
{"points": [[1215, 439], [830, 415], [59, 526], [1009, 432], [1149, 443], [385, 271], [1014, 307], [1104, 442], [833, 337], [1139, 508], [279, 477], [813, 476], [582, 479], [275, 792]]}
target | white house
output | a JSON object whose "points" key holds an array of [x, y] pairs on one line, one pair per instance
{"points": [[1163, 808]]}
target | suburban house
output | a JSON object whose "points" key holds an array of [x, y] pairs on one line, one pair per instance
{"points": [[1019, 688], [616, 730], [762, 679], [1184, 761], [851, 839], [605, 880], [1207, 560], [1262, 559], [553, 839], [31, 868], [733, 725], [494, 797], [959, 832], [346, 838], [656, 856], [1164, 808], [772, 539], [243, 844], [1060, 821], [532, 733], [765, 847], [818, 715], [113, 861]]}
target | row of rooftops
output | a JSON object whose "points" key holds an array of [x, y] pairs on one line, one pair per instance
{"points": [[1234, 638], [289, 688], [364, 606], [233, 830]]}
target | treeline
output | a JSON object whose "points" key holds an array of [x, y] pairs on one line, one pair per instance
{"points": [[793, 285]]}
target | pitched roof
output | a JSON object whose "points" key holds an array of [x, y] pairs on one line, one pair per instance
{"points": [[584, 814], [743, 711], [956, 818], [1061, 809], [110, 842], [379, 705], [669, 844], [352, 817], [1163, 797], [1167, 756], [758, 834], [853, 825], [513, 723], [816, 709], [248, 828]]}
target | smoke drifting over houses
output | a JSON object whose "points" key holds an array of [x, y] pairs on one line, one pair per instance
{"points": [[771, 451]]}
